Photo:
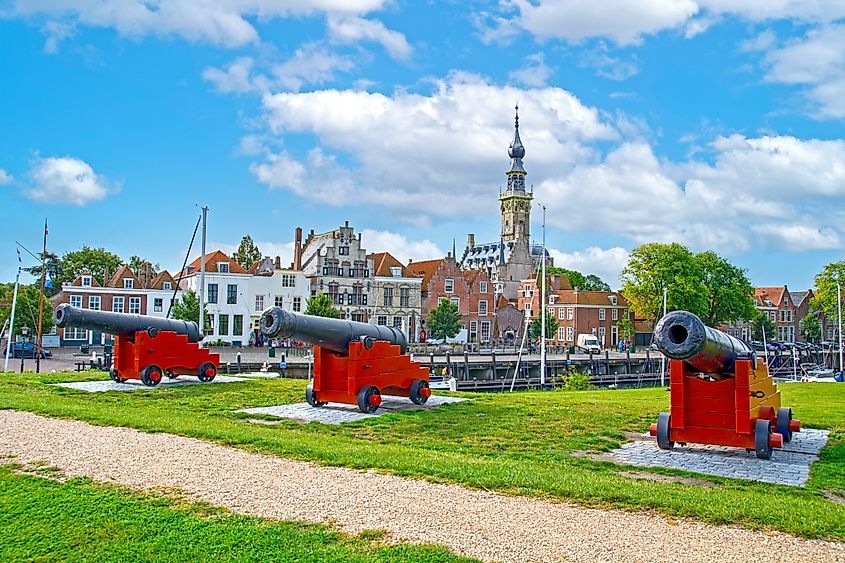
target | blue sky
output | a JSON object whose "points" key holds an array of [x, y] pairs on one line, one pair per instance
{"points": [[713, 123]]}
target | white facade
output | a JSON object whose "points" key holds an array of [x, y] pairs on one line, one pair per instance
{"points": [[273, 287], [227, 305], [396, 302]]}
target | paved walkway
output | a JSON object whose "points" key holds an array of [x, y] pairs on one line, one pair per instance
{"points": [[476, 523]]}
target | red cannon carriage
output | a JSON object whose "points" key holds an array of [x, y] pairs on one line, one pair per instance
{"points": [[721, 394], [354, 363], [145, 347]]}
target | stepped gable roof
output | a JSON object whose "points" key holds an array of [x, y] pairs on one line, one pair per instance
{"points": [[384, 261], [78, 280], [122, 273], [765, 295], [161, 277], [425, 270], [471, 275], [798, 297], [211, 261]]}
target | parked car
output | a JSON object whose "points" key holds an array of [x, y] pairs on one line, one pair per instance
{"points": [[27, 350], [589, 343]]}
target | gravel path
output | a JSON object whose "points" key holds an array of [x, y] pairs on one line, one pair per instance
{"points": [[476, 523]]}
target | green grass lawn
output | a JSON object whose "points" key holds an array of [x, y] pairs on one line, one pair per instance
{"points": [[518, 443], [44, 520]]}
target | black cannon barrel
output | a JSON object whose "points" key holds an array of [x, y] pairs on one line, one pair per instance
{"points": [[121, 323], [332, 334], [681, 335]]}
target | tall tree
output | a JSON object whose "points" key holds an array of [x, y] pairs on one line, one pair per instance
{"points": [[247, 253], [53, 268], [95, 261], [535, 329], [444, 321], [654, 266], [825, 293], [728, 291], [138, 265], [626, 328], [760, 322], [321, 306], [810, 328], [594, 283], [26, 309], [187, 308]]}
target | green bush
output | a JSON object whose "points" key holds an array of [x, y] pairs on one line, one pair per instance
{"points": [[575, 380]]}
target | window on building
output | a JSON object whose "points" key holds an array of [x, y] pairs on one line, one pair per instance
{"points": [[334, 294], [279, 301], [570, 332], [94, 302], [614, 314], [397, 322], [128, 283], [76, 301], [117, 304], [232, 294], [449, 285], [381, 320], [209, 323], [561, 333], [455, 301], [485, 331], [527, 293], [259, 302], [396, 271], [357, 297], [167, 286], [223, 325], [86, 281], [223, 267], [528, 307], [359, 317], [158, 304], [238, 325], [297, 304], [473, 331], [343, 250], [388, 297], [602, 333], [570, 313], [561, 314], [482, 287], [404, 297], [134, 305], [602, 313], [75, 334], [288, 280], [552, 299], [212, 293], [482, 308], [612, 299]]}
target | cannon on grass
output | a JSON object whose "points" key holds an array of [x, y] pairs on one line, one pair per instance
{"points": [[145, 347], [721, 394], [354, 363]]}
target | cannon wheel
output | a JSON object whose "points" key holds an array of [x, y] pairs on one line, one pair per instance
{"points": [[151, 375], [203, 372], [365, 399], [115, 376], [311, 397], [417, 386], [762, 429], [663, 441], [782, 425]]}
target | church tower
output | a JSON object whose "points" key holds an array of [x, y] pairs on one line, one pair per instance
{"points": [[515, 202]]}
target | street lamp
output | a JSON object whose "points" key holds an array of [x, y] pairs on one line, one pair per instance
{"points": [[24, 330]]}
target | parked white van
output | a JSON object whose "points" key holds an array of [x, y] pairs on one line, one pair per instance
{"points": [[589, 343]]}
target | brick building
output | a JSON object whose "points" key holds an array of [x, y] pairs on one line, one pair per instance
{"points": [[396, 295], [577, 312], [123, 292]]}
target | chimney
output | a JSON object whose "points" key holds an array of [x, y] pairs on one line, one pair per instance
{"points": [[470, 240], [297, 249], [346, 223], [278, 263]]}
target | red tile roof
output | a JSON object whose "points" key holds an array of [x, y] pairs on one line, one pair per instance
{"points": [[425, 270], [384, 261], [773, 294], [211, 261], [122, 273], [161, 277]]}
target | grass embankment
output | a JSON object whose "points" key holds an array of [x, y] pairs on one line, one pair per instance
{"points": [[44, 520], [519, 443]]}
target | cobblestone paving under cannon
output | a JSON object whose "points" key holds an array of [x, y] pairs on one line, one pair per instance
{"points": [[476, 523]]}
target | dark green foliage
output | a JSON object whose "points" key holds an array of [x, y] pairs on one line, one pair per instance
{"points": [[576, 279], [825, 292], [95, 261], [26, 312], [535, 329], [760, 322], [810, 328], [247, 253], [444, 321]]}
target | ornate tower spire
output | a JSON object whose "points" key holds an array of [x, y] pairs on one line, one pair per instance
{"points": [[515, 202]]}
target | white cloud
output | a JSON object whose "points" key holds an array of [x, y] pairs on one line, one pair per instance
{"points": [[761, 42], [400, 246], [5, 178], [607, 263], [766, 10], [220, 22], [798, 237], [817, 61], [235, 78], [352, 29], [534, 73], [65, 179], [607, 66], [56, 32]]}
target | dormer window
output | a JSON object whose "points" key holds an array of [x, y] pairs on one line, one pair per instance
{"points": [[612, 299], [86, 281], [223, 267], [128, 283], [166, 285]]}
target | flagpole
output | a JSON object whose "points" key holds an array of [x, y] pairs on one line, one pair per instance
{"points": [[41, 300], [14, 306]]}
